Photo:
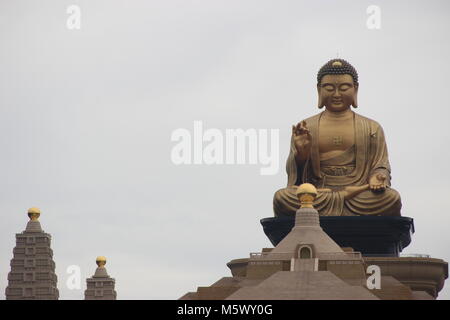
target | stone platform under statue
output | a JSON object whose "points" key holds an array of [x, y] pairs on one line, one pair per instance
{"points": [[371, 235], [307, 263]]}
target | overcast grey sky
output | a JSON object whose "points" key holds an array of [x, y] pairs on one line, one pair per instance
{"points": [[87, 116]]}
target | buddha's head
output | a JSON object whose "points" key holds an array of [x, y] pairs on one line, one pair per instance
{"points": [[337, 86]]}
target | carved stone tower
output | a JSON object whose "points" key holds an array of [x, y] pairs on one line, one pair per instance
{"points": [[32, 273], [100, 286]]}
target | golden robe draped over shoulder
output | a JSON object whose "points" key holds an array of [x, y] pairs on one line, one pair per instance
{"points": [[370, 156]]}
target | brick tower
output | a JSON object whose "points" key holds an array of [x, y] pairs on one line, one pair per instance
{"points": [[32, 275], [100, 286]]}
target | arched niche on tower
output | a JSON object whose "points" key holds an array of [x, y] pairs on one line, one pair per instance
{"points": [[304, 251]]}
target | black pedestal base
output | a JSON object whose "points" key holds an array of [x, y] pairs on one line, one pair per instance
{"points": [[372, 236]]}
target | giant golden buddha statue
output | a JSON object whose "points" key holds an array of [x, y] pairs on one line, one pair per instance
{"points": [[340, 152]]}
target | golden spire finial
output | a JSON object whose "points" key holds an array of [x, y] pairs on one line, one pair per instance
{"points": [[34, 213], [337, 63], [306, 193], [100, 261]]}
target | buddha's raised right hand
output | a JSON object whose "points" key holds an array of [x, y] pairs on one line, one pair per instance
{"points": [[302, 141]]}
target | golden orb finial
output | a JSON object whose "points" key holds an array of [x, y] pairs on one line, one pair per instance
{"points": [[34, 213], [306, 193], [100, 261], [337, 64]]}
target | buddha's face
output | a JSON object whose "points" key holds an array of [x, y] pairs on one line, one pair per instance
{"points": [[337, 92]]}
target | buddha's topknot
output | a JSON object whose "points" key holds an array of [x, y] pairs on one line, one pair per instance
{"points": [[337, 66]]}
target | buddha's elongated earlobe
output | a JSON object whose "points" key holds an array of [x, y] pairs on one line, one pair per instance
{"points": [[355, 98], [320, 103]]}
